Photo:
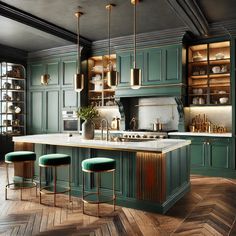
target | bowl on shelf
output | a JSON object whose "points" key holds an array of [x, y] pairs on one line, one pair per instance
{"points": [[222, 92], [216, 69], [197, 56], [219, 56], [223, 100]]}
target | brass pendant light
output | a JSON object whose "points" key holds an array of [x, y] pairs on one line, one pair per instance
{"points": [[136, 73], [112, 76], [78, 77]]}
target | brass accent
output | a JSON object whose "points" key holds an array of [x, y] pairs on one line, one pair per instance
{"points": [[135, 76], [112, 76], [97, 193], [78, 82], [45, 79], [78, 77], [23, 184], [151, 177], [55, 192]]}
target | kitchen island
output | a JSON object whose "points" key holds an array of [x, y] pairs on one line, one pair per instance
{"points": [[150, 175]]}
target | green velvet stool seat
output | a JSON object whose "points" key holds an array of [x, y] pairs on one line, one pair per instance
{"points": [[27, 159], [97, 166], [54, 160]]}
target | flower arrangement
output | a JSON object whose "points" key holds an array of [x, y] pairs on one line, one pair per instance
{"points": [[87, 113]]}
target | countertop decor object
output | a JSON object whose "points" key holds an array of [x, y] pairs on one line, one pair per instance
{"points": [[78, 77], [136, 74], [87, 114]]}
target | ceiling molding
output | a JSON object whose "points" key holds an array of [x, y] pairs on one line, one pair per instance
{"points": [[13, 55], [150, 39], [192, 16], [40, 24]]}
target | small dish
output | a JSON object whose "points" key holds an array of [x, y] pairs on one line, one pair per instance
{"points": [[219, 56], [223, 100], [222, 92], [17, 109], [216, 69]]}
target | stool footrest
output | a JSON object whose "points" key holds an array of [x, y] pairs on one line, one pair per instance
{"points": [[48, 190], [104, 200], [22, 185]]}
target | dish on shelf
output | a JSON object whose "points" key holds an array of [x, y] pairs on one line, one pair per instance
{"points": [[17, 109], [216, 69], [98, 68], [222, 92], [7, 85], [223, 100], [198, 91], [197, 56], [219, 56], [6, 122]]}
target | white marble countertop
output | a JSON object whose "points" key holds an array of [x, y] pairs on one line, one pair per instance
{"points": [[159, 145], [220, 135]]}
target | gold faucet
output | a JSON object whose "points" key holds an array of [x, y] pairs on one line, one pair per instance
{"points": [[106, 123]]}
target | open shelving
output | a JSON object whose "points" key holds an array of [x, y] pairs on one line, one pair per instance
{"points": [[209, 74], [99, 93]]}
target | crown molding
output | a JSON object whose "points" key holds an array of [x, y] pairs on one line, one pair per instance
{"points": [[191, 15], [40, 24], [150, 39], [13, 55]]}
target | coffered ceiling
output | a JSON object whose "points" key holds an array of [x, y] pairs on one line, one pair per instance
{"points": [[152, 15]]}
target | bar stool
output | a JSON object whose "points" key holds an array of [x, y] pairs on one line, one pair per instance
{"points": [[54, 161], [20, 157], [98, 165]]}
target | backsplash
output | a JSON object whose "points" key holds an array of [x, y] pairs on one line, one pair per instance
{"points": [[220, 115]]}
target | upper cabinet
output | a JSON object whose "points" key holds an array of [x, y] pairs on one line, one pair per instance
{"points": [[159, 66], [209, 74], [13, 100], [99, 93]]}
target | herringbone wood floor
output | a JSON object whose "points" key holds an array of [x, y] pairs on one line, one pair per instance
{"points": [[209, 209]]}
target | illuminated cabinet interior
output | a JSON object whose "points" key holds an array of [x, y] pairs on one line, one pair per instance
{"points": [[209, 74]]}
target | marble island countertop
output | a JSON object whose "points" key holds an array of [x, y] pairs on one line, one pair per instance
{"points": [[159, 145]]}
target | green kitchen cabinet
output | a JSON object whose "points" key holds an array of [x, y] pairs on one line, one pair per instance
{"points": [[211, 156], [39, 68], [159, 66], [125, 63]]}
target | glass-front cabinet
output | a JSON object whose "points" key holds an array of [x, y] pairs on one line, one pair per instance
{"points": [[99, 93], [209, 74], [13, 100]]}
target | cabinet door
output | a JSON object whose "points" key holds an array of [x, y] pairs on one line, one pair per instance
{"points": [[69, 66], [219, 153], [35, 71], [154, 70], [172, 64], [124, 63], [198, 153]]}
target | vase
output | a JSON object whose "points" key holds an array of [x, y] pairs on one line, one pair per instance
{"points": [[88, 129]]}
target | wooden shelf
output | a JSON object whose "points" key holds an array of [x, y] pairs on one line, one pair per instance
{"points": [[217, 75]]}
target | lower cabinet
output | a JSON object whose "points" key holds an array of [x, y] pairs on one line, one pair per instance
{"points": [[211, 156]]}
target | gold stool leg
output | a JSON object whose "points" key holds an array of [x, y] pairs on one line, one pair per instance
{"points": [[114, 197], [7, 181], [40, 184], [22, 182], [83, 183], [55, 184], [98, 191], [69, 184]]}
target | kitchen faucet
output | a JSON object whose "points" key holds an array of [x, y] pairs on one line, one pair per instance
{"points": [[106, 123]]}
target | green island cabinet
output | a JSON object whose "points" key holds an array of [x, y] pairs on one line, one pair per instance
{"points": [[211, 156], [161, 71]]}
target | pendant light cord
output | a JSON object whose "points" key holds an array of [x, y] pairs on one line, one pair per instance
{"points": [[78, 44], [109, 36], [135, 34]]}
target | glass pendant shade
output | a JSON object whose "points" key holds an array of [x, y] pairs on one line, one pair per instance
{"points": [[135, 73], [78, 77], [136, 78], [78, 82]]}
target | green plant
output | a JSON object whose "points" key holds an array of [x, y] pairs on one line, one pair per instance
{"points": [[86, 113]]}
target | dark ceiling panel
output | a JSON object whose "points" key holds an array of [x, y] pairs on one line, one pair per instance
{"points": [[21, 36], [218, 10], [152, 15]]}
